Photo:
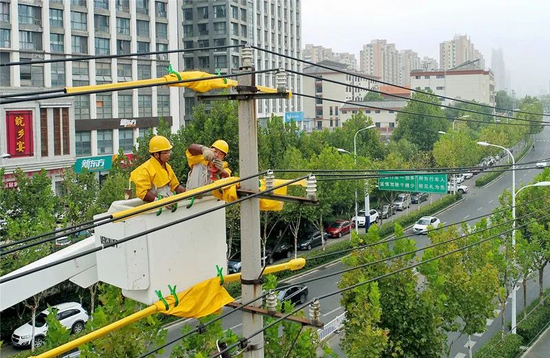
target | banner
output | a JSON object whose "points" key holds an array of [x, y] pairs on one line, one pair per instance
{"points": [[19, 133], [94, 164]]}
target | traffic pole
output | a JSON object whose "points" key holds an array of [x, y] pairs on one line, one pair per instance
{"points": [[250, 209]]}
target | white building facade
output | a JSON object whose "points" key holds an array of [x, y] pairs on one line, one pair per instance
{"points": [[382, 113]]}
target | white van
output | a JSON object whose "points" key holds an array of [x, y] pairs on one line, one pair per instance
{"points": [[402, 202]]}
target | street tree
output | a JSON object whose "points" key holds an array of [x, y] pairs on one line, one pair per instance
{"points": [[456, 149], [79, 195], [372, 97]]}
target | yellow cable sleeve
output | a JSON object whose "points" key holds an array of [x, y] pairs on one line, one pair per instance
{"points": [[114, 85], [292, 265], [99, 333]]}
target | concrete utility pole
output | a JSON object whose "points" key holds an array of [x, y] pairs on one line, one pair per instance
{"points": [[250, 209]]}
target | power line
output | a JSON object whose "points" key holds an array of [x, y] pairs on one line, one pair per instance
{"points": [[355, 74], [439, 105], [100, 57], [4, 279], [108, 219], [285, 316], [52, 96], [413, 113]]}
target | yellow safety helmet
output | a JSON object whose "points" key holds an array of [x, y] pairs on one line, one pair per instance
{"points": [[158, 144], [221, 145]]}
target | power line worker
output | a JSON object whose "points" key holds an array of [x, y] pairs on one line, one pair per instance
{"points": [[155, 177], [206, 163]]}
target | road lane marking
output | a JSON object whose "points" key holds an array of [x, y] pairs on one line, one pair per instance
{"points": [[334, 310], [478, 209], [237, 326], [467, 216], [334, 263], [460, 355], [479, 334], [490, 321], [301, 276], [490, 201], [468, 345]]}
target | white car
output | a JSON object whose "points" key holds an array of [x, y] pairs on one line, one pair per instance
{"points": [[374, 217], [468, 175], [71, 315], [461, 189], [459, 178], [542, 165], [421, 226]]}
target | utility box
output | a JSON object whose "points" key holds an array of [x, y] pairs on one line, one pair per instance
{"points": [[182, 254]]}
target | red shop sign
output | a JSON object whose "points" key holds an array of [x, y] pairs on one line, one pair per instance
{"points": [[19, 133]]}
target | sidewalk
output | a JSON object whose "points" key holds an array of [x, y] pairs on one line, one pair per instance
{"points": [[541, 347]]}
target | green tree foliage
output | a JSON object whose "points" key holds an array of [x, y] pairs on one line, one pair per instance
{"points": [[531, 105], [418, 128], [461, 110], [373, 96], [504, 101], [273, 140], [456, 149], [79, 196]]}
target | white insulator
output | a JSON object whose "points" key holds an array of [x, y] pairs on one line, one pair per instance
{"points": [[315, 311], [247, 56], [271, 302], [311, 188], [269, 180], [281, 80]]}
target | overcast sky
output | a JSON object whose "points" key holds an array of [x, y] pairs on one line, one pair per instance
{"points": [[520, 28]]}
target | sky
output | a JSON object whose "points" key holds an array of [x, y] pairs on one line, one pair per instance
{"points": [[520, 28]]}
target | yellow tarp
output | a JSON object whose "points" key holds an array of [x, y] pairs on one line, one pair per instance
{"points": [[204, 298], [200, 86]]}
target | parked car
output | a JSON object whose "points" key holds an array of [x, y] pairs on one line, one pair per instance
{"points": [[421, 226], [283, 249], [460, 188], [295, 294], [71, 315], [418, 198], [234, 265], [541, 165], [310, 239], [459, 178], [387, 211], [63, 241], [468, 175], [402, 202], [340, 228], [373, 214]]}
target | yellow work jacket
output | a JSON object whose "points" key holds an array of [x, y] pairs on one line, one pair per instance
{"points": [[151, 175], [199, 175]]}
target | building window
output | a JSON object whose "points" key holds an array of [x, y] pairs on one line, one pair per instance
{"points": [[123, 5], [101, 4], [377, 124], [124, 72], [79, 44], [188, 63], [203, 43], [126, 140], [234, 12], [203, 29], [440, 88], [122, 47], [219, 42], [143, 132], [160, 8], [220, 61], [142, 28], [29, 40], [58, 74], [105, 142], [220, 28], [144, 71], [30, 15], [5, 39], [101, 23], [188, 30], [82, 107], [243, 14], [56, 18], [392, 125], [123, 26], [426, 88], [78, 21], [244, 31], [162, 30], [4, 12], [204, 62], [162, 68], [162, 56], [83, 144], [440, 76], [417, 77], [103, 69], [78, 3], [188, 14], [235, 61], [102, 46], [235, 29], [143, 47], [219, 11], [377, 111], [202, 13], [56, 43], [104, 105], [125, 106], [145, 105], [142, 7], [427, 77], [163, 105]]}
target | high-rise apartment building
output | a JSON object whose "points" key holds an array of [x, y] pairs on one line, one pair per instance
{"points": [[317, 54], [457, 51], [428, 63], [60, 130], [499, 69], [380, 59], [408, 61], [270, 24]]}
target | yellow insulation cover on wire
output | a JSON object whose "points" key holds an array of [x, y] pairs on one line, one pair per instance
{"points": [[200, 86], [204, 298]]}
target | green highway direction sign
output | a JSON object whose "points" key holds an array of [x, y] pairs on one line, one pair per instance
{"points": [[413, 182]]}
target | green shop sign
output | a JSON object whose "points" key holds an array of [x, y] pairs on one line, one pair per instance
{"points": [[413, 182], [94, 164]]}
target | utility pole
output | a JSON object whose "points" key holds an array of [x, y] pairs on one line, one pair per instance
{"points": [[250, 209]]}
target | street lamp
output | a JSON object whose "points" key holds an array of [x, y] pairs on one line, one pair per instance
{"points": [[342, 151], [453, 181], [485, 144], [367, 209]]}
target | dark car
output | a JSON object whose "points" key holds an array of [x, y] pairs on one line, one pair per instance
{"points": [[310, 239], [418, 198], [234, 265], [283, 249], [387, 211], [295, 294], [339, 228]]}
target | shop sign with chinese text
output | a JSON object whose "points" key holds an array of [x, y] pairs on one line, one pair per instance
{"points": [[19, 133]]}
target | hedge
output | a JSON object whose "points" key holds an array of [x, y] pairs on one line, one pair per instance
{"points": [[487, 178], [496, 347]]}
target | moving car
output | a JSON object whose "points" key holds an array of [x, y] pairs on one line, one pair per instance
{"points": [[374, 217], [468, 175], [63, 241], [339, 228], [418, 198], [295, 294], [460, 188], [71, 315], [234, 265], [283, 249], [402, 202], [421, 226], [387, 211], [541, 165], [310, 239]]}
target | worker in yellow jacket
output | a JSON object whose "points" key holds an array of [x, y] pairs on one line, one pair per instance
{"points": [[155, 177], [206, 163]]}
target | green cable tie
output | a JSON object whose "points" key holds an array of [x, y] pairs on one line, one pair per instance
{"points": [[191, 203], [160, 209], [220, 274], [175, 294], [219, 73], [175, 207], [159, 295], [171, 71]]}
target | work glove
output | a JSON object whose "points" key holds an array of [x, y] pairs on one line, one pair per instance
{"points": [[208, 154], [224, 174], [218, 164]]}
